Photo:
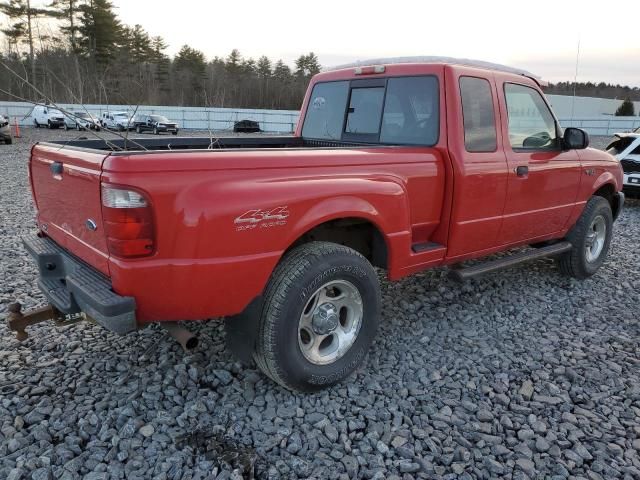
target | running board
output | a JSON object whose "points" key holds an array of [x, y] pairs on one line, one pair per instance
{"points": [[465, 273]]}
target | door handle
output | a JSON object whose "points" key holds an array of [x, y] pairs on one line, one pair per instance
{"points": [[522, 170], [56, 168]]}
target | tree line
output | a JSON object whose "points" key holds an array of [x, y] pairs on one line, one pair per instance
{"points": [[78, 51]]}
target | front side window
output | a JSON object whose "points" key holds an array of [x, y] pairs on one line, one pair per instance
{"points": [[478, 115], [396, 111], [531, 124]]}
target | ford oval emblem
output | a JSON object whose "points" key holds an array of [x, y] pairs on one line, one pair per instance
{"points": [[91, 225]]}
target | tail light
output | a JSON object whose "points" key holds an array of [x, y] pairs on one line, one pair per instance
{"points": [[128, 222]]}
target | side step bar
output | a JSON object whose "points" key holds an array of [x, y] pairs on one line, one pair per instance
{"points": [[465, 273]]}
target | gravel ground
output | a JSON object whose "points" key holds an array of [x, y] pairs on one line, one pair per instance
{"points": [[523, 374]]}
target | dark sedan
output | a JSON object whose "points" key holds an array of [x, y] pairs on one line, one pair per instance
{"points": [[154, 123]]}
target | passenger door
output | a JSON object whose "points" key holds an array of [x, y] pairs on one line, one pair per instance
{"points": [[543, 179]]}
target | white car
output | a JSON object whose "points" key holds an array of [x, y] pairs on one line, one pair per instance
{"points": [[626, 148], [47, 116], [5, 130], [116, 121], [81, 121]]}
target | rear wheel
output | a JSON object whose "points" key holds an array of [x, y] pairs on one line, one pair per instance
{"points": [[590, 237], [320, 316]]}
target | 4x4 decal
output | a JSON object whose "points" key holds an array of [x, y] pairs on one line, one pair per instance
{"points": [[262, 218]]}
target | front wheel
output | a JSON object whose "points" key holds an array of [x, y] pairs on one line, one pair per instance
{"points": [[320, 316], [66, 127], [590, 237]]}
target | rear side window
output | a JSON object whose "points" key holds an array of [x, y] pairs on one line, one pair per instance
{"points": [[325, 113], [411, 111], [478, 115], [397, 111]]}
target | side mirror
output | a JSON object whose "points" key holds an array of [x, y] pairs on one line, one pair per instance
{"points": [[575, 139]]}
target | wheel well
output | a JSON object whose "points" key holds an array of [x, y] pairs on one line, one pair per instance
{"points": [[607, 192], [359, 234]]}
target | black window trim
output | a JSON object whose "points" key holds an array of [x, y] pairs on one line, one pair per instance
{"points": [[496, 123], [364, 83], [551, 148]]}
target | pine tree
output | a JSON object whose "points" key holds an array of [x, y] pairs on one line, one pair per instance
{"points": [[626, 109], [281, 71], [22, 16], [68, 11], [263, 68], [307, 65], [233, 62], [139, 46], [100, 31]]}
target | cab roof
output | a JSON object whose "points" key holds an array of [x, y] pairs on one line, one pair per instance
{"points": [[439, 60]]}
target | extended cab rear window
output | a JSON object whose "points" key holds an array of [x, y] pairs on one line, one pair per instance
{"points": [[393, 111]]}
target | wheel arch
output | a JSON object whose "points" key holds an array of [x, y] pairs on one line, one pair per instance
{"points": [[608, 192], [353, 231]]}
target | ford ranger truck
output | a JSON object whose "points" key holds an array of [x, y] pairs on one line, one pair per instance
{"points": [[400, 165]]}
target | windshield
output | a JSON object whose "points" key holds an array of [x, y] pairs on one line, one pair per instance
{"points": [[159, 118], [120, 115], [82, 114], [53, 111]]}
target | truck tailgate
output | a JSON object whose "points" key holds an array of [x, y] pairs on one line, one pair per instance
{"points": [[66, 191]]}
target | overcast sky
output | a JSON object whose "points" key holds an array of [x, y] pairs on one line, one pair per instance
{"points": [[540, 36]]}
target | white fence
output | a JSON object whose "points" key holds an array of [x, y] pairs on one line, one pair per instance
{"points": [[196, 118], [278, 121]]}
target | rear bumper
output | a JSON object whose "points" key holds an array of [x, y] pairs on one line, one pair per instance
{"points": [[72, 286]]}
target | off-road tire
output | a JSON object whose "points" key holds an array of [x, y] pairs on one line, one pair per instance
{"points": [[574, 263], [296, 278]]}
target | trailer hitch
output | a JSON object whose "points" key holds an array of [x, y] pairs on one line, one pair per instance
{"points": [[17, 321]]}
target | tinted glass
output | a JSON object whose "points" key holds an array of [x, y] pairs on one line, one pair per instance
{"points": [[478, 115], [531, 124], [411, 111], [325, 113], [365, 109]]}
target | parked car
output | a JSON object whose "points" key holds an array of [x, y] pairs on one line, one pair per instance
{"points": [[403, 165], [116, 121], [626, 148], [154, 123], [47, 116], [246, 126], [5, 130], [81, 121]]}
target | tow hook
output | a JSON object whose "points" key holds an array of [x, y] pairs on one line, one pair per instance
{"points": [[185, 338], [17, 321]]}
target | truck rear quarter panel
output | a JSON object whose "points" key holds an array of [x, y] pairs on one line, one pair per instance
{"points": [[225, 218]]}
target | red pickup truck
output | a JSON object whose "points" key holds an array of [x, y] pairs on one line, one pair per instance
{"points": [[401, 166]]}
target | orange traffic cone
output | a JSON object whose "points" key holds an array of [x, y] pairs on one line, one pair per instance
{"points": [[16, 130]]}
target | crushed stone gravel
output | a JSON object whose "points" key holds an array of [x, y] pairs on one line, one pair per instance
{"points": [[522, 374]]}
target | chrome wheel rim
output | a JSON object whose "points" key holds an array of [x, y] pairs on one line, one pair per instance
{"points": [[330, 322], [596, 236]]}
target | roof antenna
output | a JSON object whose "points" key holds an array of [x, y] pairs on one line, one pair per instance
{"points": [[575, 80]]}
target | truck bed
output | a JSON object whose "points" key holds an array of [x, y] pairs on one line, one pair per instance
{"points": [[199, 143]]}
